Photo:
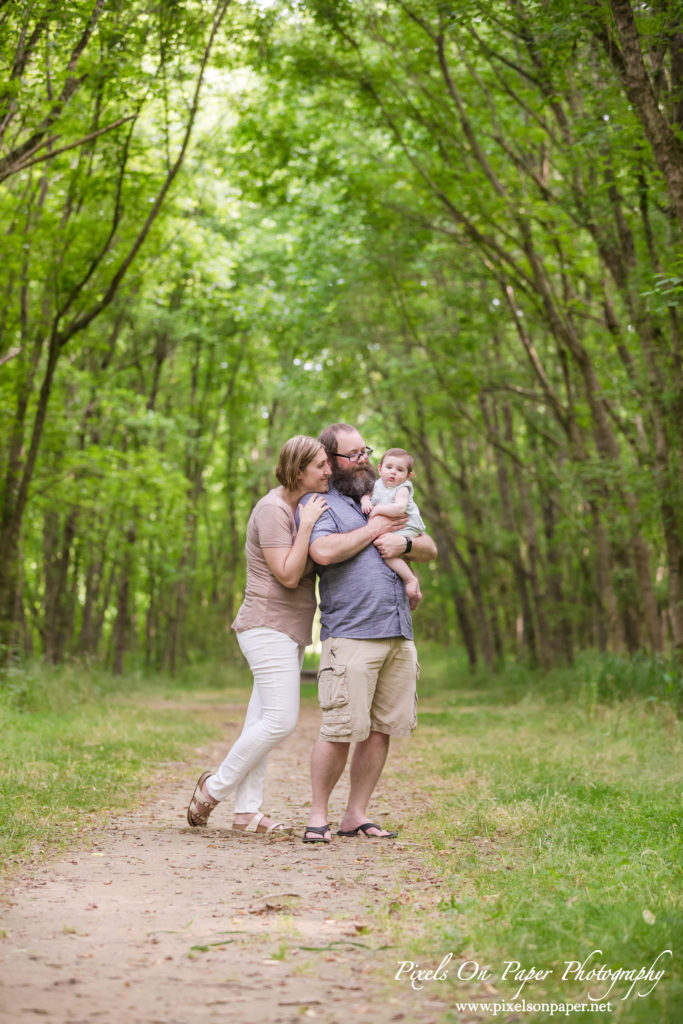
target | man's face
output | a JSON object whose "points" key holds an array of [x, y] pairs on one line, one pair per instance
{"points": [[353, 477]]}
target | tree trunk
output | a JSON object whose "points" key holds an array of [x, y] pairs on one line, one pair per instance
{"points": [[561, 626], [57, 545], [629, 63], [123, 608]]}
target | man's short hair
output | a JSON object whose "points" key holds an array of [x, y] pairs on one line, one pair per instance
{"points": [[328, 438]]}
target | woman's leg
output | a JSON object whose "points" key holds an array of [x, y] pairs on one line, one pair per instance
{"points": [[249, 792], [275, 661], [280, 717]]}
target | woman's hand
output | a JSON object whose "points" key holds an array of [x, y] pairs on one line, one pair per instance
{"points": [[289, 564], [310, 513]]}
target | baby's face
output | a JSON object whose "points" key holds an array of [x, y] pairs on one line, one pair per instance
{"points": [[394, 471]]}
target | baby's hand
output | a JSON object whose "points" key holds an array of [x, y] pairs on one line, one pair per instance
{"points": [[366, 504]]}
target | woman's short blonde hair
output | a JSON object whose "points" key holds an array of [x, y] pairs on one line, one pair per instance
{"points": [[295, 455]]}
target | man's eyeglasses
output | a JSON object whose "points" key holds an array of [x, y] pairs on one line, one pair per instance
{"points": [[355, 456]]}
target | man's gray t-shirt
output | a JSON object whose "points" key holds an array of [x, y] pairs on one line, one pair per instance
{"points": [[361, 598]]}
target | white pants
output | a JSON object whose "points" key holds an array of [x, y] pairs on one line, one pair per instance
{"points": [[275, 661]]}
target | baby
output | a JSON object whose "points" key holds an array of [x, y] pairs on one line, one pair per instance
{"points": [[393, 496]]}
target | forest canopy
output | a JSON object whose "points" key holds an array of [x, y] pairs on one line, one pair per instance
{"points": [[454, 225]]}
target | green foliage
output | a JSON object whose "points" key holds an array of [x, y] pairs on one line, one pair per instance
{"points": [[594, 679], [554, 826], [445, 224]]}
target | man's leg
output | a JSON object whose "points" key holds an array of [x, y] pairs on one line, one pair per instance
{"points": [[393, 712], [327, 763], [366, 767]]}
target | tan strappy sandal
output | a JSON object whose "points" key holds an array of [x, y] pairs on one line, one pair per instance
{"points": [[200, 808], [252, 827]]}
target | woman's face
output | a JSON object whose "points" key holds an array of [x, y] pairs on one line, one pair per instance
{"points": [[316, 475]]}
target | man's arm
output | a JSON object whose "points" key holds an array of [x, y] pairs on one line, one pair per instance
{"points": [[393, 546], [337, 547]]}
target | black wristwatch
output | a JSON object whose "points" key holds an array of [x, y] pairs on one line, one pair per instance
{"points": [[409, 545]]}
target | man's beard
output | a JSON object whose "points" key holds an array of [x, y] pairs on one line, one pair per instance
{"points": [[353, 484]]}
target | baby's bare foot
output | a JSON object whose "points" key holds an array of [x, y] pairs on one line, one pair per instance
{"points": [[414, 593]]}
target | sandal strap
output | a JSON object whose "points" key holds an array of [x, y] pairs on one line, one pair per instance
{"points": [[318, 829], [198, 802], [253, 824], [199, 810]]}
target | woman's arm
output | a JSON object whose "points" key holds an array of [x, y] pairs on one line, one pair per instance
{"points": [[289, 564]]}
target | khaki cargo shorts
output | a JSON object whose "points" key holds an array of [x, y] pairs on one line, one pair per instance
{"points": [[367, 685]]}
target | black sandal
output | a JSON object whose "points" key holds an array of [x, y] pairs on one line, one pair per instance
{"points": [[365, 829], [320, 831]]}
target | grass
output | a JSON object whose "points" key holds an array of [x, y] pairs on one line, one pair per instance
{"points": [[76, 744], [551, 821], [554, 813]]}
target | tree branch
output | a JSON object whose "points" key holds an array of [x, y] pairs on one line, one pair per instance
{"points": [[82, 321], [26, 163], [70, 86]]}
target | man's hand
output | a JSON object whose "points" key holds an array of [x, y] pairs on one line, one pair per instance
{"points": [[392, 545], [383, 524]]}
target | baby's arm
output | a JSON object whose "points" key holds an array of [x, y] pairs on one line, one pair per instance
{"points": [[397, 507], [366, 504]]}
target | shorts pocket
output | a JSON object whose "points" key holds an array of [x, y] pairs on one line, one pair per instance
{"points": [[332, 689], [333, 696]]}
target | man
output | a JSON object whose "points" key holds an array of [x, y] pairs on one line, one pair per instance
{"points": [[368, 666]]}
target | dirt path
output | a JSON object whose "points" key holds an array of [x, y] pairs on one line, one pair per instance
{"points": [[150, 922]]}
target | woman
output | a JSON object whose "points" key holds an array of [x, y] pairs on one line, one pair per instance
{"points": [[273, 627]]}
